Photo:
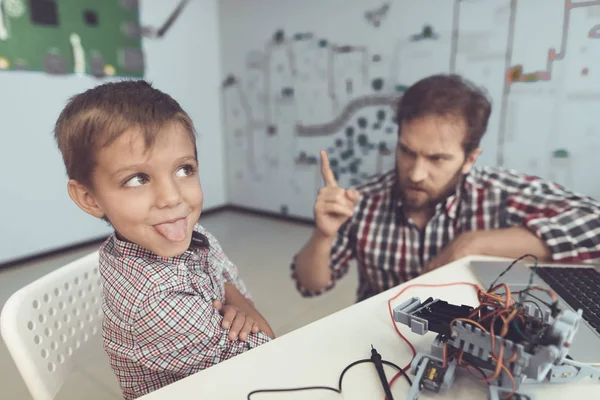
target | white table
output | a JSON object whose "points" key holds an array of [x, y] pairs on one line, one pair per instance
{"points": [[315, 355]]}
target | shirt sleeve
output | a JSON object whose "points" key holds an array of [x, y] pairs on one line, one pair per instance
{"points": [[179, 332], [342, 252], [227, 269], [568, 223]]}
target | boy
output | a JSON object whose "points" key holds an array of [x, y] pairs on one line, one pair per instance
{"points": [[173, 303]]}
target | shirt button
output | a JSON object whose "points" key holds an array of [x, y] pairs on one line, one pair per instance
{"points": [[195, 257]]}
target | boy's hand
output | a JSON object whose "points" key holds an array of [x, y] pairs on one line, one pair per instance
{"points": [[236, 320], [233, 297]]}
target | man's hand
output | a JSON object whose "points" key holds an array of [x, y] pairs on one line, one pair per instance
{"points": [[237, 321], [463, 245], [334, 205]]}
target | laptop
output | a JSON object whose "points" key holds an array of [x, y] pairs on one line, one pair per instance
{"points": [[577, 286]]}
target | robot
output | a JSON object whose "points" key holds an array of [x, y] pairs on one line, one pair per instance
{"points": [[532, 349]]}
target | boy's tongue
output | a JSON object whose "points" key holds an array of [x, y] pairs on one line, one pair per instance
{"points": [[173, 231]]}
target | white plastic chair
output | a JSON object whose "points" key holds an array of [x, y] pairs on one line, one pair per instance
{"points": [[48, 324]]}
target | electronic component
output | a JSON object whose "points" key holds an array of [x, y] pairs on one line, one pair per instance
{"points": [[90, 17], [78, 54], [98, 67], [100, 38], [433, 376], [131, 59], [431, 315], [535, 344], [70, 36], [130, 4], [55, 64], [3, 31], [44, 12]]}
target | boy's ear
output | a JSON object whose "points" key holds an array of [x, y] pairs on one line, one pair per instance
{"points": [[84, 198]]}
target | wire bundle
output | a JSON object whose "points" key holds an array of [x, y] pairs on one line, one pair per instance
{"points": [[501, 315]]}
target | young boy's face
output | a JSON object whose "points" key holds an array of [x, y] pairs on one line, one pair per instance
{"points": [[152, 196]]}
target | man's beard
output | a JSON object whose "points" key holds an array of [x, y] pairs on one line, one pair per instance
{"points": [[428, 200]]}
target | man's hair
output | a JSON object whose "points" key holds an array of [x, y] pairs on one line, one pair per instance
{"points": [[448, 96], [95, 118]]}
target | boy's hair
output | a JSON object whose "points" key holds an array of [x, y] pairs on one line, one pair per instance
{"points": [[451, 96], [95, 118]]}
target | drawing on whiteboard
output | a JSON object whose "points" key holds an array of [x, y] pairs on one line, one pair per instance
{"points": [[335, 125], [61, 37], [514, 74], [375, 17], [297, 93], [426, 33]]}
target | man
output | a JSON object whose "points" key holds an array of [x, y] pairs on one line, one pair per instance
{"points": [[435, 207]]}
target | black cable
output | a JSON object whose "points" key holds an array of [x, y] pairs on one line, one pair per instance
{"points": [[160, 32], [378, 361], [338, 390], [511, 265], [533, 272], [538, 299], [163, 29], [404, 374], [332, 389], [347, 369], [293, 389]]}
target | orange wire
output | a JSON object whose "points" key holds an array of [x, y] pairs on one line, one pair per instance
{"points": [[468, 321], [445, 353], [550, 292], [514, 383], [502, 308], [499, 365]]}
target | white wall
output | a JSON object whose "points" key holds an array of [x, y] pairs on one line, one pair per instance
{"points": [[36, 214], [544, 120]]}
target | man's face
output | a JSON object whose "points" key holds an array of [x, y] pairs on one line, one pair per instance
{"points": [[430, 160], [152, 197]]}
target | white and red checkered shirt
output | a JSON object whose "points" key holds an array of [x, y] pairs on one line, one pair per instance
{"points": [[159, 321], [390, 249]]}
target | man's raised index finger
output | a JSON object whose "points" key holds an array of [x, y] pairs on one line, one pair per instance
{"points": [[326, 171]]}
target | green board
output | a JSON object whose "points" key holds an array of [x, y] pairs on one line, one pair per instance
{"points": [[93, 37]]}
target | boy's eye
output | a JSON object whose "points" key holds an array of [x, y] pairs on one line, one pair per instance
{"points": [[137, 180], [186, 170]]}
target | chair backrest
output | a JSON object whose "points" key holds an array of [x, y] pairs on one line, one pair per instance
{"points": [[48, 324]]}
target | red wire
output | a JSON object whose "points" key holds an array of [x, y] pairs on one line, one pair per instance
{"points": [[412, 348]]}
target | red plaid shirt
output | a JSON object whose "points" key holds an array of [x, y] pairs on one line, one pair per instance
{"points": [[159, 321], [390, 249]]}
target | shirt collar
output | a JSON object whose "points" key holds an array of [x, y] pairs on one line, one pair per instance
{"points": [[452, 202], [125, 247]]}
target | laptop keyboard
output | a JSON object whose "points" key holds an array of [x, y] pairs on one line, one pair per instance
{"points": [[579, 287]]}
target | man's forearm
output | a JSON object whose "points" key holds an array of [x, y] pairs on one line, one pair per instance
{"points": [[510, 242], [312, 262], [235, 298]]}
